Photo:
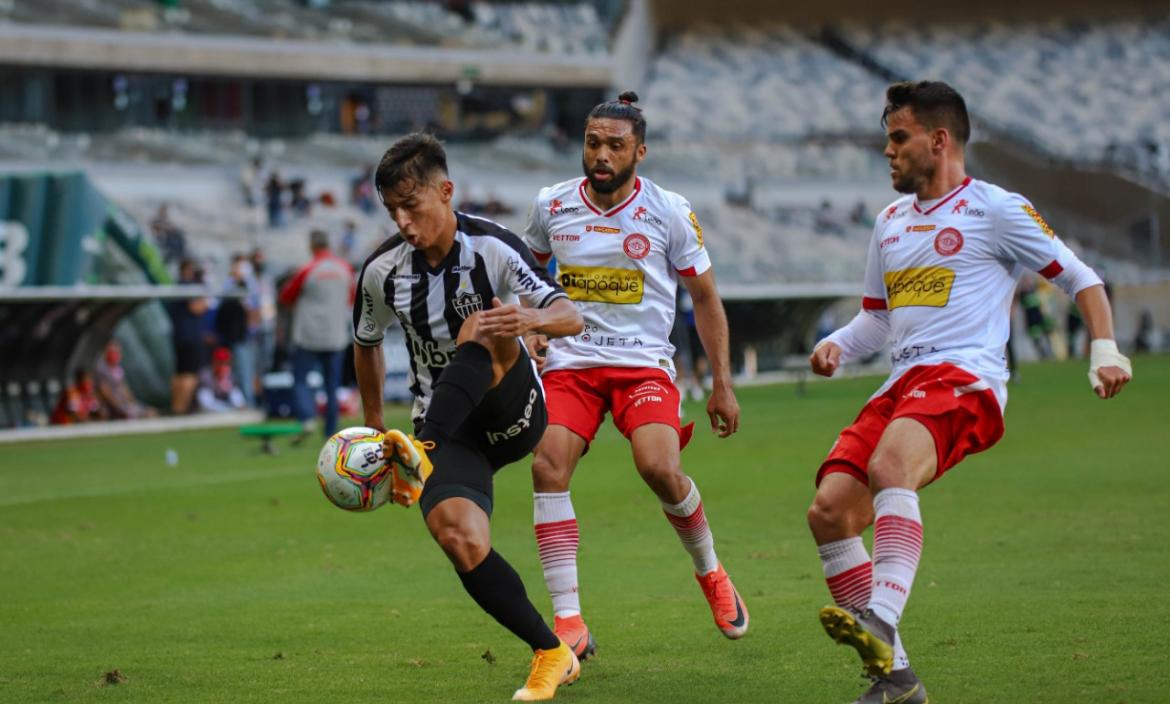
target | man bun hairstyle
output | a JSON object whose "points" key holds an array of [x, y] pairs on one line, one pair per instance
{"points": [[622, 109], [414, 160], [934, 103]]}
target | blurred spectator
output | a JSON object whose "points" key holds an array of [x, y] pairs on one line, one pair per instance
{"points": [[79, 402], [347, 243], [217, 390], [187, 335], [233, 328], [361, 190], [1038, 324], [298, 197], [265, 323], [274, 199], [112, 389], [167, 235], [251, 186], [1143, 338], [321, 295], [860, 215]]}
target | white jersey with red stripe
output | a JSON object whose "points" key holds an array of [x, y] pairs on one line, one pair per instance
{"points": [[621, 267], [940, 278]]}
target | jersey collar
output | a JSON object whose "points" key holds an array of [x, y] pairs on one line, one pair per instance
{"points": [[614, 210], [945, 198]]}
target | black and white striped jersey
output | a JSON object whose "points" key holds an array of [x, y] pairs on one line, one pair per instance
{"points": [[486, 261]]}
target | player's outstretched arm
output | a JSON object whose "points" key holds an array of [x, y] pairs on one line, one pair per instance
{"points": [[370, 367], [711, 323], [1109, 370], [559, 319]]}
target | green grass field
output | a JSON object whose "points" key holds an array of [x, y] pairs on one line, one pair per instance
{"points": [[229, 578]]}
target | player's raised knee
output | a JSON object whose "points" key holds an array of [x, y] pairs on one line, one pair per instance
{"points": [[463, 547]]}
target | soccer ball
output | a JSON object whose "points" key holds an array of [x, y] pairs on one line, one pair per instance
{"points": [[352, 471]]}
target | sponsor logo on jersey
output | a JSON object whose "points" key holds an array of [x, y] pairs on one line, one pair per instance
{"points": [[888, 241], [948, 242], [963, 208], [525, 279], [928, 286], [959, 206], [368, 312], [1044, 227], [565, 237], [556, 207], [890, 212], [640, 213], [603, 229], [636, 245], [460, 268], [602, 284], [920, 228], [412, 278], [698, 228], [467, 303]]}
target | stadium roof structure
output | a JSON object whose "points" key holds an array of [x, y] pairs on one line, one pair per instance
{"points": [[257, 57]]}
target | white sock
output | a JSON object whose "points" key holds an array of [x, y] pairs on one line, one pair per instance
{"points": [[557, 537], [690, 523], [897, 547], [849, 574]]}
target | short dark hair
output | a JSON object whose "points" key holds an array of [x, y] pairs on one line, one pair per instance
{"points": [[417, 158], [934, 103], [622, 109]]}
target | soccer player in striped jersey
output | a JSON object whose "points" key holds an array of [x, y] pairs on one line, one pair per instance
{"points": [[622, 245], [453, 282], [943, 263]]}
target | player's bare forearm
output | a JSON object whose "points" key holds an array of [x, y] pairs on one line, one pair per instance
{"points": [[1109, 370], [1094, 307], [370, 369], [711, 324], [560, 319]]}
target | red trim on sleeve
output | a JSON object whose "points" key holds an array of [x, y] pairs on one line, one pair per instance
{"points": [[541, 257], [1052, 270], [689, 271], [868, 303]]}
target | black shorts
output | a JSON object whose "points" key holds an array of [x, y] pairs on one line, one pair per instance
{"points": [[504, 428], [189, 357]]}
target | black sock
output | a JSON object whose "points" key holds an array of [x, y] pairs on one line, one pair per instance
{"points": [[497, 589], [458, 390]]}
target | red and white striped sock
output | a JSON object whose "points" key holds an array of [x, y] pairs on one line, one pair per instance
{"points": [[849, 574], [690, 523], [897, 547], [557, 538]]}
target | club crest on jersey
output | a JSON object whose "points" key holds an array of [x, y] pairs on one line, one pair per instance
{"points": [[636, 245], [948, 242], [467, 303]]}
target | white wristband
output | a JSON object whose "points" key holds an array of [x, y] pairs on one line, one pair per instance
{"points": [[1104, 353]]}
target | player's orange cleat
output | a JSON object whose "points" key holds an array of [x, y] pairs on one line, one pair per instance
{"points": [[573, 631], [411, 465], [731, 615], [550, 669]]}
